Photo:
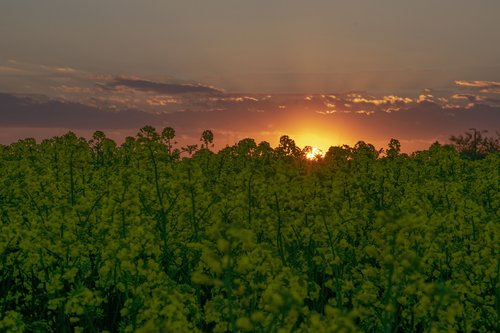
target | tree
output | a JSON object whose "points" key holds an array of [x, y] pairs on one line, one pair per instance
{"points": [[366, 150], [264, 149], [338, 154], [167, 137], [287, 147], [148, 133], [474, 145], [102, 147], [190, 149], [394, 148], [246, 147], [207, 137]]}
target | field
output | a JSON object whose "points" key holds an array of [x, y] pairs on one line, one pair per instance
{"points": [[143, 237]]}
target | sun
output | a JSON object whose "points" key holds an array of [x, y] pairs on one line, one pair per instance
{"points": [[314, 154]]}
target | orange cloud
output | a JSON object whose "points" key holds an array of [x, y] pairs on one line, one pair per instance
{"points": [[162, 100], [425, 98], [73, 89], [389, 99], [483, 86], [477, 84]]}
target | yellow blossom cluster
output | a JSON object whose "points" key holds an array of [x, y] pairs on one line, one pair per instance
{"points": [[96, 237]]}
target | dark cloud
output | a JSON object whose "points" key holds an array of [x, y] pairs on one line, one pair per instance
{"points": [[58, 97], [430, 119], [160, 87], [27, 111], [355, 115], [420, 120]]}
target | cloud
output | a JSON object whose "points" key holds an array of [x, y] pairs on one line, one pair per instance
{"points": [[28, 69], [90, 101], [10, 70], [99, 90], [162, 100], [425, 98], [483, 86], [469, 97], [161, 88], [359, 103], [478, 84], [237, 99], [65, 70], [73, 89], [27, 111], [477, 99], [234, 116], [385, 100]]}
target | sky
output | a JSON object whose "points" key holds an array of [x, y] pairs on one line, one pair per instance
{"points": [[323, 72]]}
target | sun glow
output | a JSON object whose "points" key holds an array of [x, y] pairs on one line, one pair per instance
{"points": [[314, 154]]}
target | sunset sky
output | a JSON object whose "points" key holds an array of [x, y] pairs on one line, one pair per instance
{"points": [[323, 72]]}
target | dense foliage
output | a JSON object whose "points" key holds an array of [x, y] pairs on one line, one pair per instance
{"points": [[145, 237]]}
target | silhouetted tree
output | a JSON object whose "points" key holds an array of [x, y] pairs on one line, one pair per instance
{"points": [[366, 150], [102, 147], [190, 149], [167, 138], [246, 147], [394, 148], [264, 149], [207, 137], [287, 147], [338, 154], [148, 133], [474, 145]]}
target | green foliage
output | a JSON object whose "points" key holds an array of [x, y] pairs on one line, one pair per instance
{"points": [[96, 237]]}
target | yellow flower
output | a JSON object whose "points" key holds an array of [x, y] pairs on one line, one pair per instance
{"points": [[244, 324], [200, 278], [244, 264], [371, 250], [258, 316], [343, 244], [223, 245]]}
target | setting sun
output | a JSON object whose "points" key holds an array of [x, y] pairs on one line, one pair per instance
{"points": [[314, 154]]}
